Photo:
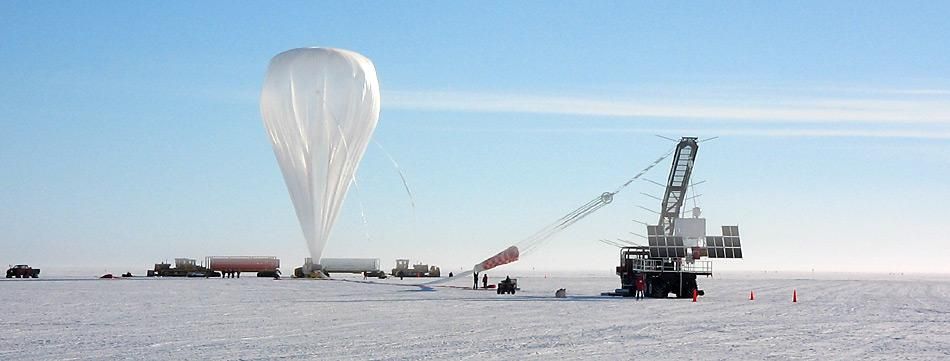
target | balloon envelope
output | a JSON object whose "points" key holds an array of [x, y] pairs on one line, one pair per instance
{"points": [[320, 107]]}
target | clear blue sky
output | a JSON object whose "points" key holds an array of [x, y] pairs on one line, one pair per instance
{"points": [[131, 131]]}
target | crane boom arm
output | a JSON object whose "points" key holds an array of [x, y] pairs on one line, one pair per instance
{"points": [[683, 158]]}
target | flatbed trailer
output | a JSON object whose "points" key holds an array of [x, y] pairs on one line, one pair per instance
{"points": [[184, 267]]}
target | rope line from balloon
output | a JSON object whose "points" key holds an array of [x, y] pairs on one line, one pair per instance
{"points": [[402, 176], [359, 200], [532, 242]]}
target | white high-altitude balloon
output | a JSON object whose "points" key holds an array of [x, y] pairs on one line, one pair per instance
{"points": [[320, 107]]}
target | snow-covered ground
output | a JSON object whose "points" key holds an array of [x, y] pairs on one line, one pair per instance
{"points": [[881, 317]]}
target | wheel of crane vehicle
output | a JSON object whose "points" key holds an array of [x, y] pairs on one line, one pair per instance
{"points": [[659, 289]]}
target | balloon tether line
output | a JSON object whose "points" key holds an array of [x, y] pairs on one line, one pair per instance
{"points": [[405, 184], [359, 200]]}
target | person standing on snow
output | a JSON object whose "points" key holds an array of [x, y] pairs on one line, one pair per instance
{"points": [[485, 281], [640, 287], [475, 286]]}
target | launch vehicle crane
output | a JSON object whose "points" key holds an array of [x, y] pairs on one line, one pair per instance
{"points": [[672, 260]]}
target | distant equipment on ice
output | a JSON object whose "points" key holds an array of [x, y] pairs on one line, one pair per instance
{"points": [[417, 270], [215, 266], [507, 285], [263, 266], [23, 271], [184, 267], [368, 267]]}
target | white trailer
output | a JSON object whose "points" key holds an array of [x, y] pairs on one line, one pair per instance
{"points": [[367, 266], [349, 265]]}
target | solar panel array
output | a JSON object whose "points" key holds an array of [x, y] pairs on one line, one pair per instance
{"points": [[667, 247], [663, 246], [727, 246]]}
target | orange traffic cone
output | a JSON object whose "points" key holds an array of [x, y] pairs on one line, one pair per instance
{"points": [[695, 294], [794, 296], [751, 295]]}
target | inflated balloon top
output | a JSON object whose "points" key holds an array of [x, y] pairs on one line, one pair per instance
{"points": [[320, 107]]}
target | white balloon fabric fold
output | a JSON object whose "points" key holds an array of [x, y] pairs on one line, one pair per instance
{"points": [[320, 107]]}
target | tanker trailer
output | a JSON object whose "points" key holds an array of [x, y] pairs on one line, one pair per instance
{"points": [[231, 266]]}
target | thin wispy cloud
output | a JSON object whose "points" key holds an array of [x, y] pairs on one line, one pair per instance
{"points": [[819, 112], [791, 132], [922, 113], [743, 108], [731, 130]]}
